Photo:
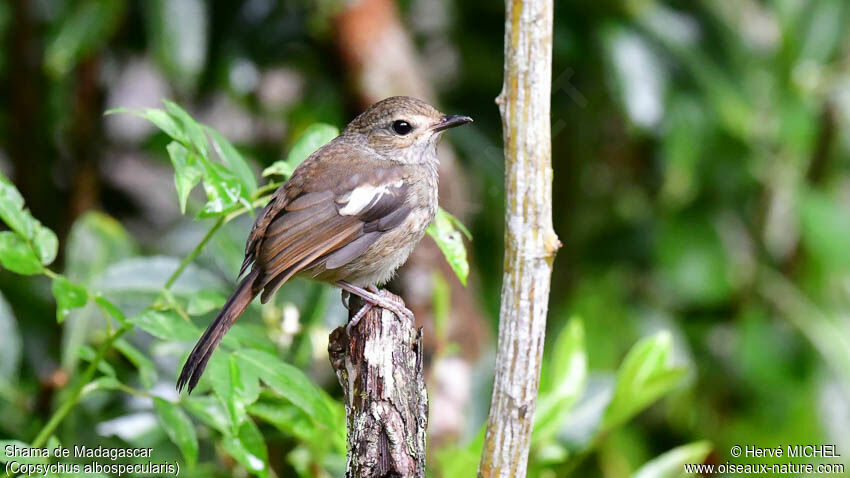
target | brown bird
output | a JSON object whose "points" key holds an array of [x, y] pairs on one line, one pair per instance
{"points": [[349, 215]]}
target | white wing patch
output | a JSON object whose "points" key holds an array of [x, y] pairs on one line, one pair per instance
{"points": [[364, 196]]}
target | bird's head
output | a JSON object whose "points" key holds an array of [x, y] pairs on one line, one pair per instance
{"points": [[402, 128]]}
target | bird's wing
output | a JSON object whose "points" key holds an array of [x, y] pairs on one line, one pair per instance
{"points": [[327, 214]]}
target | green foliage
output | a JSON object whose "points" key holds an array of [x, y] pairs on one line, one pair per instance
{"points": [[179, 428], [68, 296], [446, 231], [227, 187], [671, 464], [313, 138], [645, 375]]}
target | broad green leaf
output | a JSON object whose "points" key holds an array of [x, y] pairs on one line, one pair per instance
{"points": [[209, 410], [224, 380], [45, 243], [16, 455], [161, 119], [178, 427], [279, 168], [17, 256], [234, 160], [289, 382], [166, 325], [205, 301], [567, 377], [224, 192], [12, 208], [187, 171], [644, 376], [10, 344], [68, 296], [315, 136], [110, 309], [96, 240], [446, 231], [194, 131], [40, 239], [248, 448], [88, 27], [146, 367], [105, 382], [671, 463], [138, 275]]}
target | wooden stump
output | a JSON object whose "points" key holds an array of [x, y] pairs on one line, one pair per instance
{"points": [[379, 366]]}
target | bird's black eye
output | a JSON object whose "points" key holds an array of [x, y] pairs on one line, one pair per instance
{"points": [[402, 127]]}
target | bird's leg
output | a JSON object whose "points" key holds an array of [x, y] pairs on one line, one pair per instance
{"points": [[373, 299]]}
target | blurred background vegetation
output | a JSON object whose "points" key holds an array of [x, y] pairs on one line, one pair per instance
{"points": [[702, 192]]}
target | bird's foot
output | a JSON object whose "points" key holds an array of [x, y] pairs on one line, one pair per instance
{"points": [[374, 298]]}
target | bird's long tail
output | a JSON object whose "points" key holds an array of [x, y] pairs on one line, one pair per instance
{"points": [[233, 308]]}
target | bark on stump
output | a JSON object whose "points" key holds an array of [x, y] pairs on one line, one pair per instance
{"points": [[379, 366]]}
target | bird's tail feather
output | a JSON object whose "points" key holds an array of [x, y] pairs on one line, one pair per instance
{"points": [[233, 308]]}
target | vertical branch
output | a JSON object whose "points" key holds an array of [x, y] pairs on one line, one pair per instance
{"points": [[379, 366], [530, 241]]}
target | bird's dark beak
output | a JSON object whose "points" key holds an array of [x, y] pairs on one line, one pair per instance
{"points": [[450, 121]]}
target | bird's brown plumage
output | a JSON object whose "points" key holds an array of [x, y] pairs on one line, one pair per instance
{"points": [[352, 211]]}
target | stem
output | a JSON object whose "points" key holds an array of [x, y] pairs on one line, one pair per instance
{"points": [[69, 402], [530, 241], [192, 255]]}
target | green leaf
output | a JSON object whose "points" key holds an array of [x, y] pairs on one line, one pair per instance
{"points": [[166, 325], [671, 464], [17, 256], [88, 27], [187, 171], [446, 229], [6, 457], [235, 386], [315, 136], [68, 296], [249, 449], [193, 130], [289, 382], [162, 120], [209, 410], [12, 208], [224, 192], [40, 239], [205, 301], [146, 368], [110, 309], [106, 382], [279, 168], [645, 375], [96, 240], [10, 344], [567, 378], [45, 243], [178, 427], [234, 160]]}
